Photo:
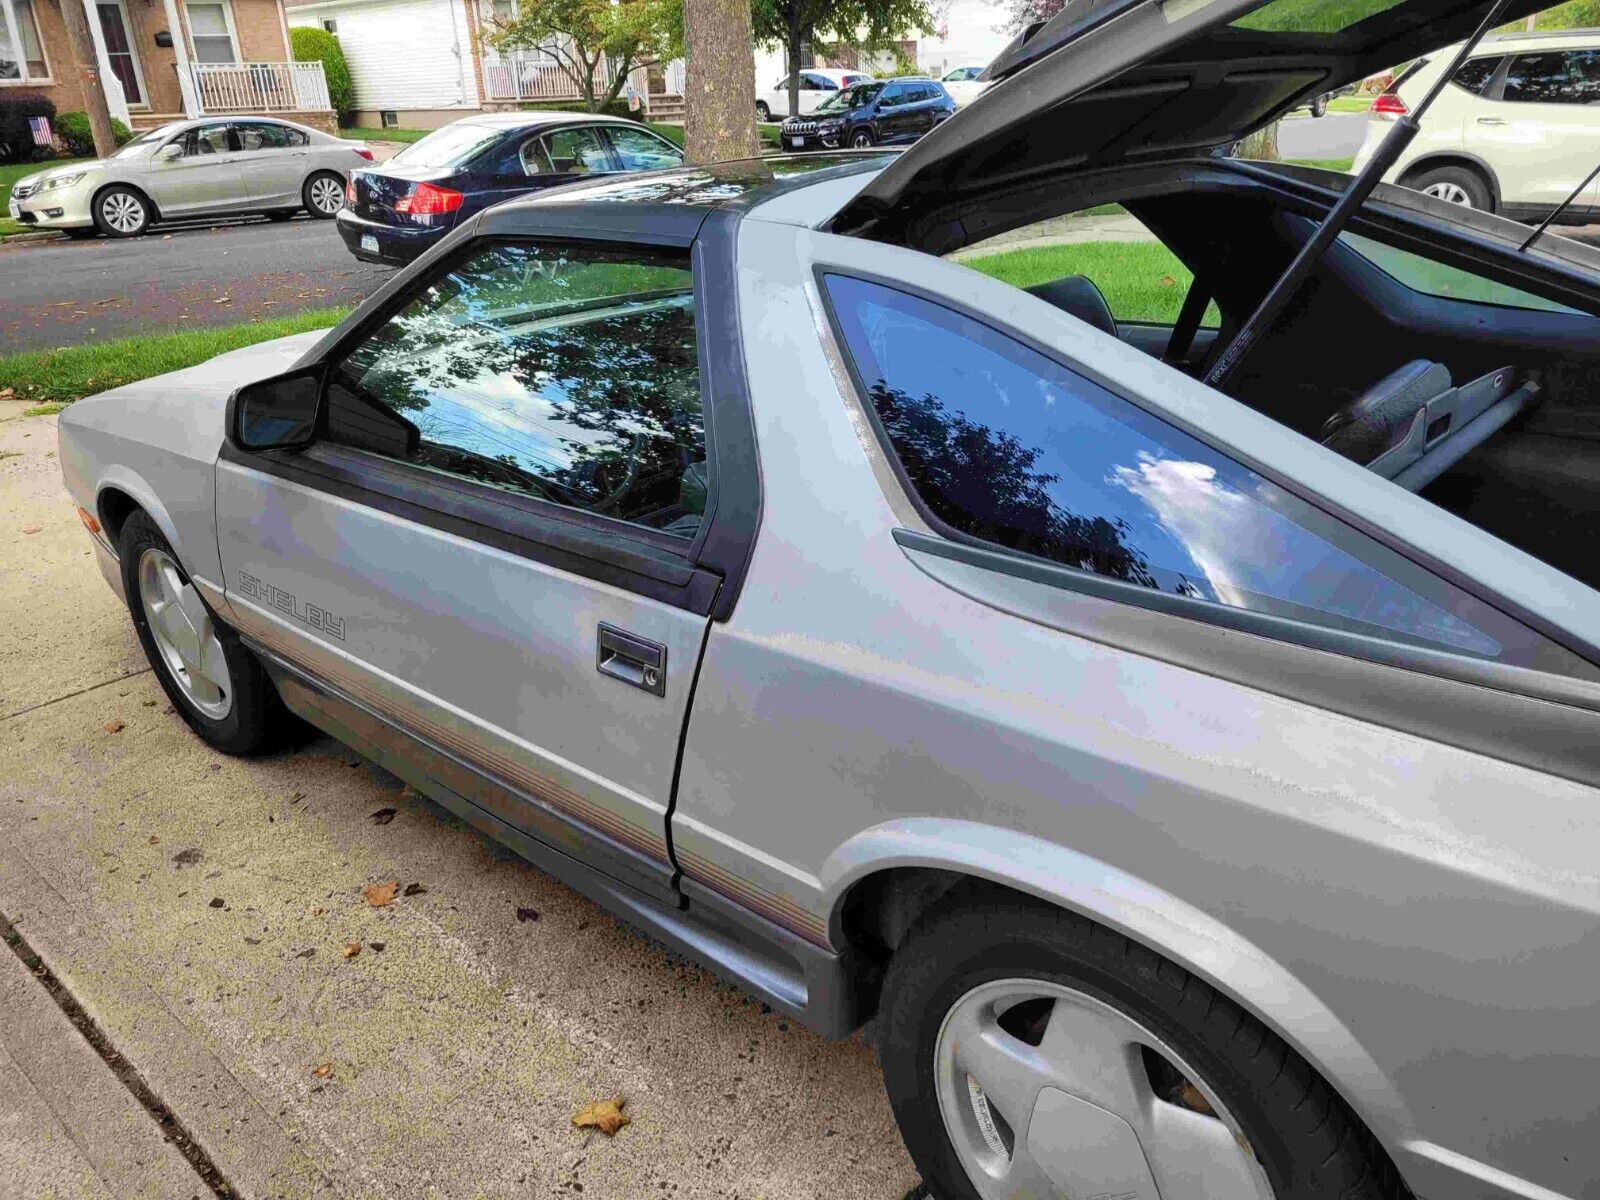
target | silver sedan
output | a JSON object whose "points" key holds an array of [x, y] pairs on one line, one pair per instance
{"points": [[205, 167]]}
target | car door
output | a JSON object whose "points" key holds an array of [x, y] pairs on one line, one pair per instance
{"points": [[205, 175], [577, 153], [1542, 135], [489, 555], [273, 162], [895, 119]]}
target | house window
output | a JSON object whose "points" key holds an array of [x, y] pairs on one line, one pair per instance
{"points": [[22, 57], [211, 32], [330, 24]]}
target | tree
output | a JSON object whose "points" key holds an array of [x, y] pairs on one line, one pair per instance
{"points": [[866, 25], [1022, 13], [721, 64], [595, 43], [311, 44], [1262, 144], [76, 20]]}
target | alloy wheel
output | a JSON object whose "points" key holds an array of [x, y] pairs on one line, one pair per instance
{"points": [[1450, 193], [327, 195], [123, 212], [861, 140], [185, 635], [1046, 1091]]}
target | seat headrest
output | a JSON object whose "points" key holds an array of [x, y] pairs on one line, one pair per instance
{"points": [[1077, 294], [1382, 415]]}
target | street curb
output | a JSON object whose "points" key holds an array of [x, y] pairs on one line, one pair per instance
{"points": [[32, 237]]}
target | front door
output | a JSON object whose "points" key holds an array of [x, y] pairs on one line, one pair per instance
{"points": [[204, 177], [1543, 135], [489, 548], [124, 60]]}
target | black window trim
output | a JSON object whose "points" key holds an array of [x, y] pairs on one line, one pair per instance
{"points": [[702, 575], [1428, 657]]}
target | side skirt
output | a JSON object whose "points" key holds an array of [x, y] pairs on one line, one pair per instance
{"points": [[816, 987]]}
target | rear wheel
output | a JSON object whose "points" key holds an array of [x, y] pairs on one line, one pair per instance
{"points": [[214, 682], [1030, 1052], [121, 212], [1454, 185], [324, 195], [1319, 106]]}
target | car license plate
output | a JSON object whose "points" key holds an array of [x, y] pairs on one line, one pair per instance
{"points": [[369, 243], [795, 143]]}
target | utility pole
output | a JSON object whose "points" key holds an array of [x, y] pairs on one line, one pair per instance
{"points": [[719, 76], [76, 19]]}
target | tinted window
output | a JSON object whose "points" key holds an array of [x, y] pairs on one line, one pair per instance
{"points": [[264, 136], [894, 94], [641, 150], [1006, 445], [554, 372], [1475, 75], [533, 159], [1556, 77], [851, 97], [1440, 279], [576, 151]]}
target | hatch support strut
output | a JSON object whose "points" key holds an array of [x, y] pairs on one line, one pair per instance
{"points": [[1354, 196]]}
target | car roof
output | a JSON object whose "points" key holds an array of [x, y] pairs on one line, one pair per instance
{"points": [[530, 120]]}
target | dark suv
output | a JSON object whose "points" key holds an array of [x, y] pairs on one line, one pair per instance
{"points": [[882, 112]]}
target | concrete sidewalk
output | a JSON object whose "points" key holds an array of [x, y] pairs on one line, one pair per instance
{"points": [[198, 908]]}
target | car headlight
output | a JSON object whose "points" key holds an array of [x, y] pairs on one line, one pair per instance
{"points": [[63, 181], [830, 127]]}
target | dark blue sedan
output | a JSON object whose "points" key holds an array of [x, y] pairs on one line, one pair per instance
{"points": [[396, 211]]}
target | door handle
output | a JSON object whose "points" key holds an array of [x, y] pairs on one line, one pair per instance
{"points": [[1490, 121], [633, 660]]}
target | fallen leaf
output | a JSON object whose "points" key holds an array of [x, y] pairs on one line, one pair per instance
{"points": [[186, 858], [527, 914], [415, 889], [223, 300], [378, 946], [250, 941], [218, 902], [351, 949], [322, 1070], [1168, 281], [154, 840], [379, 895], [115, 726], [382, 817], [605, 1115]]}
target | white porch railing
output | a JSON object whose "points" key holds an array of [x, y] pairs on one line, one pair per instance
{"points": [[531, 75], [672, 78], [259, 86]]}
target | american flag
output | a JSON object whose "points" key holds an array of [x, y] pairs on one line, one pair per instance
{"points": [[41, 131]]}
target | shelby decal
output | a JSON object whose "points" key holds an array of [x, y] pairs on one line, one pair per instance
{"points": [[308, 614]]}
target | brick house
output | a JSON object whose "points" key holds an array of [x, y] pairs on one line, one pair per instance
{"points": [[163, 60]]}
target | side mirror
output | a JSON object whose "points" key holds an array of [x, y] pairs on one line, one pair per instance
{"points": [[169, 152], [277, 414]]}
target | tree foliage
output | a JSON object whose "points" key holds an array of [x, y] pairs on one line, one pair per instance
{"points": [[864, 25], [595, 43], [318, 45], [1022, 13]]}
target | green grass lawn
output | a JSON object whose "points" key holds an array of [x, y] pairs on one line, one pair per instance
{"points": [[1327, 164], [9, 174], [52, 378], [1350, 104], [1142, 281], [384, 135]]}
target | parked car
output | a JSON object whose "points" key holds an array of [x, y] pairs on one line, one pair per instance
{"points": [[1200, 789], [816, 85], [1517, 129], [400, 209], [208, 167], [963, 84], [878, 113]]}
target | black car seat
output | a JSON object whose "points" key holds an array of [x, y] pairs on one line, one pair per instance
{"points": [[1380, 418], [1078, 295]]}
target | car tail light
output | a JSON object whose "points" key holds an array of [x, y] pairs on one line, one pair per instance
{"points": [[366, 154], [350, 192], [1390, 105], [428, 200]]}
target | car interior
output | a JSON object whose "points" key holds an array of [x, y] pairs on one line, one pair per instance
{"points": [[1469, 391]]}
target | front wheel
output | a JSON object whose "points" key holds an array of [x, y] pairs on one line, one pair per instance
{"points": [[1319, 106], [861, 139], [763, 113], [324, 195], [121, 212], [1030, 1052]]}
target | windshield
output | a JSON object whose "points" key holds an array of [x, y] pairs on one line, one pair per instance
{"points": [[143, 143], [962, 74], [851, 97], [448, 147]]}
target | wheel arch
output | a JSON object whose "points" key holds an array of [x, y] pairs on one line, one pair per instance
{"points": [[898, 870], [1455, 158], [106, 185], [118, 494]]}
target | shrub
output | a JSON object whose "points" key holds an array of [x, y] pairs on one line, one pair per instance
{"points": [[16, 139], [74, 134], [617, 108], [318, 45]]}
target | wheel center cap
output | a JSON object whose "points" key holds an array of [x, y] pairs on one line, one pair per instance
{"points": [[1088, 1152]]}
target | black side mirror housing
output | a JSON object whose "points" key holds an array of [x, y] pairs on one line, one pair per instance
{"points": [[281, 413]]}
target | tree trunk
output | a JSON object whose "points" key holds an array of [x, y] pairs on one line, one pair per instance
{"points": [[1262, 144], [793, 46], [720, 70], [94, 95]]}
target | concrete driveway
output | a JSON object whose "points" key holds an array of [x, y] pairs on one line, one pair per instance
{"points": [[193, 912]]}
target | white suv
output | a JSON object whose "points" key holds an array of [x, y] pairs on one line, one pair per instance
{"points": [[1515, 133], [816, 85]]}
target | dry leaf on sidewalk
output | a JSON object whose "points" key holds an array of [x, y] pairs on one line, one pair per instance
{"points": [[380, 894], [322, 1070], [382, 817], [415, 889], [115, 726], [351, 949], [605, 1115], [526, 914]]}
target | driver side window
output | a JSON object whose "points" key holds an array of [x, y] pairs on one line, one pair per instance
{"points": [[559, 373], [208, 139]]}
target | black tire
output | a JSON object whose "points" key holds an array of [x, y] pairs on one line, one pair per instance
{"points": [[256, 719], [1309, 1143], [311, 187], [122, 212], [861, 139], [1455, 181], [763, 113], [1319, 106], [282, 214], [87, 233]]}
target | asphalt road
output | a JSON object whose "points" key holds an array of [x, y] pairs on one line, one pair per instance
{"points": [[1337, 135], [63, 293]]}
